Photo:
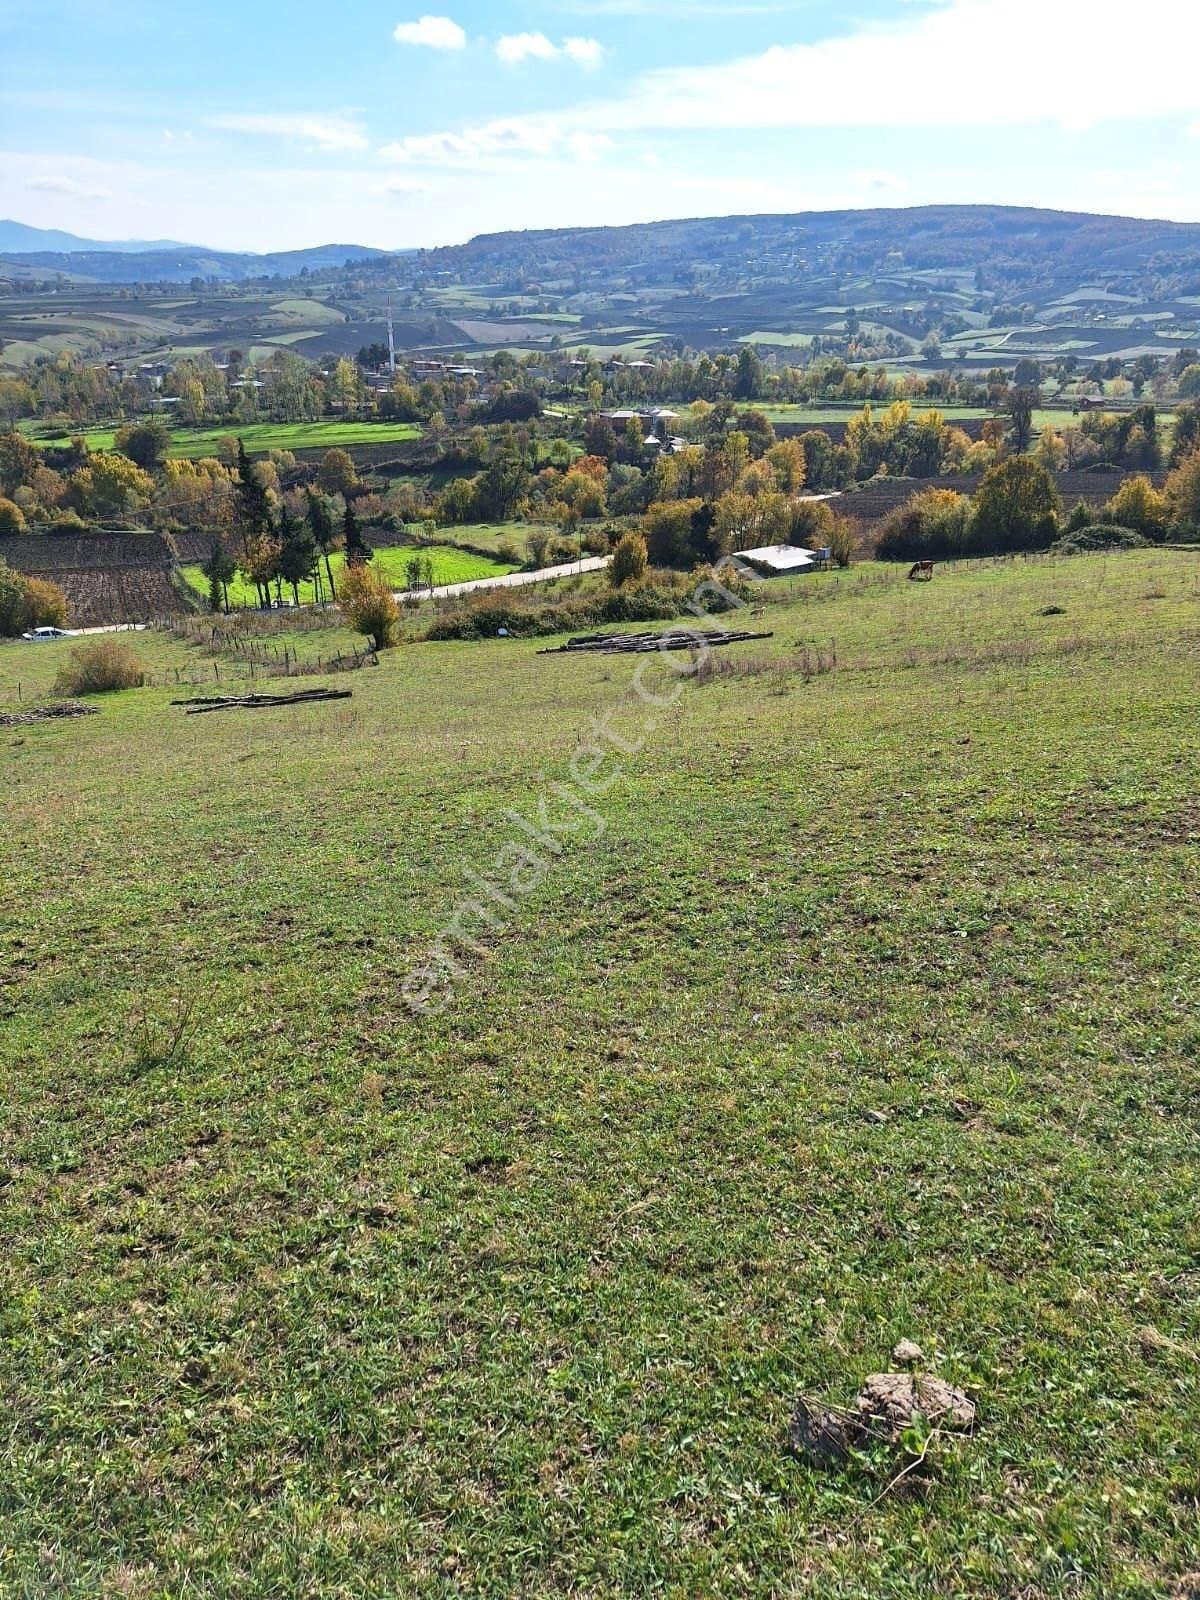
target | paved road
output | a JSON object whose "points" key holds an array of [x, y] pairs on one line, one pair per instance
{"points": [[512, 580]]}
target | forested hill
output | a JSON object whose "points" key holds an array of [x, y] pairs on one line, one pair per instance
{"points": [[1046, 249]]}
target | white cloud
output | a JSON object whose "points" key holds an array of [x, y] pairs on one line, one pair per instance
{"points": [[501, 140], [587, 53], [331, 133], [518, 136], [56, 183], [514, 48], [434, 33], [972, 58]]}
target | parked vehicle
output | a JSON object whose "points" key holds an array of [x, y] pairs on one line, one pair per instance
{"points": [[40, 634]]}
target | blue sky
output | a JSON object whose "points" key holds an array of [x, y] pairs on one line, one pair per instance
{"points": [[266, 125]]}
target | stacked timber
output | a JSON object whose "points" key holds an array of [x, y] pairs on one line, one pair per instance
{"points": [[622, 644]]}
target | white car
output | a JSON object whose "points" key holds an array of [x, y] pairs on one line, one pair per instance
{"points": [[40, 634]]}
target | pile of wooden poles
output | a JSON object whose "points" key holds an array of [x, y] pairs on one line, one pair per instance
{"points": [[620, 644], [257, 702]]}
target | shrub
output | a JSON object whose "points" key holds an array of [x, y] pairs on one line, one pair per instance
{"points": [[368, 605], [1082, 516], [29, 603], [629, 561], [842, 541], [12, 519], [506, 550], [485, 615], [64, 525], [641, 602], [1100, 536], [932, 525], [100, 667]]}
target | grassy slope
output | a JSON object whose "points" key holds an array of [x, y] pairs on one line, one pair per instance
{"points": [[259, 437], [519, 1298], [450, 565]]}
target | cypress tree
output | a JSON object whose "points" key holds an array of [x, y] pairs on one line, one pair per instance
{"points": [[358, 551]]}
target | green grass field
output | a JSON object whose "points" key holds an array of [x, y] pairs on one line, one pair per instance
{"points": [[259, 437], [450, 565], [861, 1005], [490, 535]]}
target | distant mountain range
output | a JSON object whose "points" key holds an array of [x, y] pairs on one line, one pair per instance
{"points": [[39, 251], [1024, 255], [18, 237]]}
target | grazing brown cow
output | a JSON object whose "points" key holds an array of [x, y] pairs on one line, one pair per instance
{"points": [[922, 572]]}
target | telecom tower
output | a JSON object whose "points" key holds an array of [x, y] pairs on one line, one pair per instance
{"points": [[391, 341]]}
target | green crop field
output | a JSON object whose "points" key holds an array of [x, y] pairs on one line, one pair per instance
{"points": [[259, 437], [450, 565], [856, 1004]]}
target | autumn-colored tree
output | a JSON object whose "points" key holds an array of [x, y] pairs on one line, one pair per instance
{"points": [[600, 439], [1051, 450], [1183, 491], [12, 519], [1187, 433], [1137, 504], [19, 460], [629, 561], [259, 561], [111, 486], [336, 474], [369, 606], [29, 603], [842, 542], [788, 462]]}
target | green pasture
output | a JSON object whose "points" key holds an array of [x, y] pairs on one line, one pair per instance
{"points": [[259, 437], [450, 565], [854, 1002]]}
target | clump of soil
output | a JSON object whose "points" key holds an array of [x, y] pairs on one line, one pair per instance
{"points": [[886, 1406]]}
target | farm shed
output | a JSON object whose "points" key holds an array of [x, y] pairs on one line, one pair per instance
{"points": [[779, 560]]}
